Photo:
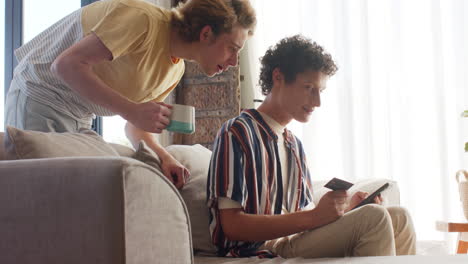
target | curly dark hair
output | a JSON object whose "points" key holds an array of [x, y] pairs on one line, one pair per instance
{"points": [[294, 55]]}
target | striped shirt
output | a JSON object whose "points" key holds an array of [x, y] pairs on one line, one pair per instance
{"points": [[136, 32], [245, 167]]}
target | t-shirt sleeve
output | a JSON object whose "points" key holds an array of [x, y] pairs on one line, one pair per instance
{"points": [[166, 93], [226, 173], [226, 203], [123, 30]]}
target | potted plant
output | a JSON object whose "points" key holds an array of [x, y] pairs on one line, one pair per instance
{"points": [[462, 180], [465, 114]]}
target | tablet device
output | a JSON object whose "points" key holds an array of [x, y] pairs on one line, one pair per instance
{"points": [[370, 199]]}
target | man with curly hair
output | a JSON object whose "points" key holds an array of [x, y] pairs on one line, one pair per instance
{"points": [[259, 189], [123, 57]]}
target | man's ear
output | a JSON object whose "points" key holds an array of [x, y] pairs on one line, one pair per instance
{"points": [[277, 75], [206, 34]]}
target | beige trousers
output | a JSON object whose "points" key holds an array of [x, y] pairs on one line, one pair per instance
{"points": [[371, 230]]}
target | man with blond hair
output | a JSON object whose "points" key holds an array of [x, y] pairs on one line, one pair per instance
{"points": [[123, 57]]}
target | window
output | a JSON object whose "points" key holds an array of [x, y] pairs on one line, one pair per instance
{"points": [[113, 130], [39, 15]]}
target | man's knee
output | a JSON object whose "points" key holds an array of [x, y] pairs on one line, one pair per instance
{"points": [[396, 211], [375, 215], [401, 218], [374, 212], [399, 215], [376, 232]]}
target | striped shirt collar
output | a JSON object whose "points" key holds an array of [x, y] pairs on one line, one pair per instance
{"points": [[274, 125], [257, 117]]}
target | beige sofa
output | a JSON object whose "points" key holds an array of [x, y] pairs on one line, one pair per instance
{"points": [[90, 210], [115, 210]]}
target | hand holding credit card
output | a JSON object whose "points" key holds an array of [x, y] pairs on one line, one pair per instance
{"points": [[338, 184]]}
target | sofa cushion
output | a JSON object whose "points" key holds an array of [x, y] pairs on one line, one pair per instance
{"points": [[452, 259], [196, 159], [146, 155], [25, 144]]}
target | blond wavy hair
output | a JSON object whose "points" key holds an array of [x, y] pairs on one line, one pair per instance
{"points": [[221, 15]]}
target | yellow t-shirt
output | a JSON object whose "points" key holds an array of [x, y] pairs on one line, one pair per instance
{"points": [[138, 34]]}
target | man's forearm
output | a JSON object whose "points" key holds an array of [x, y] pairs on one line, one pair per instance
{"points": [[135, 134], [240, 226]]}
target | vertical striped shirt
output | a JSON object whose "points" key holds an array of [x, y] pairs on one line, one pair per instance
{"points": [[245, 167]]}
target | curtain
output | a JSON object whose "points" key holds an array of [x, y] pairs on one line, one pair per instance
{"points": [[393, 110]]}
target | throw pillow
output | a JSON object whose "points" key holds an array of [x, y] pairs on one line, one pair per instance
{"points": [[196, 159], [122, 150], [146, 155], [25, 144]]}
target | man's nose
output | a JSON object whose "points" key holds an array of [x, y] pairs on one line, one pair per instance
{"points": [[233, 60], [315, 99]]}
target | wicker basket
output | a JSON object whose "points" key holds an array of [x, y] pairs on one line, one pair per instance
{"points": [[462, 179]]}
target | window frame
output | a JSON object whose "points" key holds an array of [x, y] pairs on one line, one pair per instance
{"points": [[14, 39]]}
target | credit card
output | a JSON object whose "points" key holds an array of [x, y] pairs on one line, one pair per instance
{"points": [[338, 184]]}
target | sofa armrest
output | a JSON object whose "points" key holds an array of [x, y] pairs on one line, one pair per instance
{"points": [[90, 210], [391, 196]]}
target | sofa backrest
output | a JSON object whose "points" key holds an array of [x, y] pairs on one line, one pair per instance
{"points": [[123, 151], [2, 148]]}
